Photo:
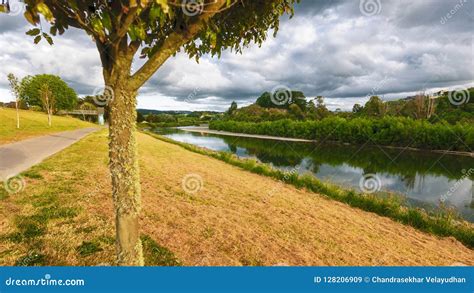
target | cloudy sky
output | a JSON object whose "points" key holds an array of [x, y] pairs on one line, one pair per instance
{"points": [[342, 50]]}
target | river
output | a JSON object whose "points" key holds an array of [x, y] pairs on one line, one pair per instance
{"points": [[428, 180]]}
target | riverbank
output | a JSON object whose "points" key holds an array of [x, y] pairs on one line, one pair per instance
{"points": [[392, 131], [202, 129], [233, 217]]}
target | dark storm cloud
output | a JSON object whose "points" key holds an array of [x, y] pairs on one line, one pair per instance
{"points": [[329, 48]]}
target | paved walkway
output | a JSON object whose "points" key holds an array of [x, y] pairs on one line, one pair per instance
{"points": [[20, 156]]}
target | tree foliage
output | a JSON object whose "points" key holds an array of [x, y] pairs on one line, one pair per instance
{"points": [[155, 30], [65, 96], [395, 131], [158, 29]]}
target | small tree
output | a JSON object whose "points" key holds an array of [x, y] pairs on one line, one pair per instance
{"points": [[321, 109], [296, 112], [15, 89], [65, 97], [155, 31], [48, 101], [232, 108], [357, 108], [375, 107]]}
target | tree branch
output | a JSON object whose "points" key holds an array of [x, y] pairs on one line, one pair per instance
{"points": [[172, 43]]}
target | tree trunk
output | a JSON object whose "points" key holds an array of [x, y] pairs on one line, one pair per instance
{"points": [[17, 115], [49, 119], [125, 174]]}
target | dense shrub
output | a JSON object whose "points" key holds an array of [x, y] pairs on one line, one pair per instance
{"points": [[393, 131]]}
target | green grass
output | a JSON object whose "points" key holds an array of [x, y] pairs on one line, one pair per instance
{"points": [[442, 223], [33, 124], [157, 255], [88, 248], [30, 229]]}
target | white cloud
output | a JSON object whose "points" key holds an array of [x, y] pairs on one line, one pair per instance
{"points": [[329, 48]]}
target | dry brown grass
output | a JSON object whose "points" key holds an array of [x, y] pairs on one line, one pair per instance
{"points": [[237, 218]]}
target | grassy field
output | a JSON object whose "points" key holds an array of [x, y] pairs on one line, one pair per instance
{"points": [[64, 216], [33, 124]]}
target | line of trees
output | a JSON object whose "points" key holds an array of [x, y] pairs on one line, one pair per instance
{"points": [[393, 131], [296, 107], [43, 92]]}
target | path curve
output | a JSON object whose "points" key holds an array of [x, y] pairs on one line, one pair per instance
{"points": [[20, 156]]}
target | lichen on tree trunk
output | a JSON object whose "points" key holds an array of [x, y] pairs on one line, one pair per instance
{"points": [[125, 175]]}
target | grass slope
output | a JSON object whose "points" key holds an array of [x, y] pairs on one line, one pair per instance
{"points": [[64, 216], [33, 124]]}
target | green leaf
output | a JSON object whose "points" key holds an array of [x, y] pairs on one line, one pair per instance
{"points": [[37, 39], [33, 32], [164, 5], [132, 32], [106, 21], [44, 9], [48, 38], [141, 32], [53, 30], [155, 12]]}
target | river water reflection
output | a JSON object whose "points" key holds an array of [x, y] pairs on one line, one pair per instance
{"points": [[422, 177]]}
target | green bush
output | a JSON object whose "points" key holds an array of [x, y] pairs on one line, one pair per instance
{"points": [[393, 131]]}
